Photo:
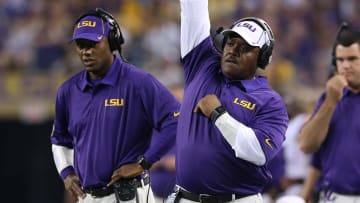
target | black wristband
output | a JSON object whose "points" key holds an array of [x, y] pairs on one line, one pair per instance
{"points": [[217, 113], [144, 163]]}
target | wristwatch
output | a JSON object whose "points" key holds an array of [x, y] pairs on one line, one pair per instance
{"points": [[144, 163], [217, 113]]}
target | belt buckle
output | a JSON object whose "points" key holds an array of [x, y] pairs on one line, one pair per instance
{"points": [[205, 198], [90, 191]]}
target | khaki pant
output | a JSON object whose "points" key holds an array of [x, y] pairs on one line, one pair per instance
{"points": [[339, 198], [144, 194], [249, 199]]}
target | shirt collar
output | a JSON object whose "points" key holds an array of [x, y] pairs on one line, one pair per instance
{"points": [[109, 79], [248, 85], [346, 91]]}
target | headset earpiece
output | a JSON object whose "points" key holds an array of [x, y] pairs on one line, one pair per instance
{"points": [[344, 26], [265, 55], [115, 36], [218, 39]]}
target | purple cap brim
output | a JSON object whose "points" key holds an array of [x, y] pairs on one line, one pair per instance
{"points": [[88, 36]]}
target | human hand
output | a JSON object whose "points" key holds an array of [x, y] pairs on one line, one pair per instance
{"points": [[307, 196], [72, 184], [207, 104], [167, 162], [126, 171], [335, 87]]}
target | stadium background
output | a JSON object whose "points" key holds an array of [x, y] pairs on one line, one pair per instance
{"points": [[35, 58]]}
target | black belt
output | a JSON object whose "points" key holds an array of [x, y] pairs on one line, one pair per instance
{"points": [[328, 191], [205, 198], [105, 191], [349, 193]]}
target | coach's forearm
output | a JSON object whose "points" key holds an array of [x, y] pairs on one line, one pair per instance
{"points": [[242, 139], [63, 157], [314, 131]]}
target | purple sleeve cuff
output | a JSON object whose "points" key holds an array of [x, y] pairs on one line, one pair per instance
{"points": [[66, 171]]}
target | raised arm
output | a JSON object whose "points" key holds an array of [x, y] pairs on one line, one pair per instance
{"points": [[195, 24]]}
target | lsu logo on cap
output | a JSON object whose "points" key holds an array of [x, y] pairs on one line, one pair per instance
{"points": [[86, 23], [248, 26]]}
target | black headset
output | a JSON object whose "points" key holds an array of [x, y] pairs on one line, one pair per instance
{"points": [[115, 36], [344, 26], [265, 53]]}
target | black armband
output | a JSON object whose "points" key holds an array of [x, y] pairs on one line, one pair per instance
{"points": [[144, 163], [217, 113]]}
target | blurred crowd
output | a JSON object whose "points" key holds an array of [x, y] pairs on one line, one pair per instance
{"points": [[36, 56]]}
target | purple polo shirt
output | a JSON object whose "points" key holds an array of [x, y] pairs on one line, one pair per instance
{"points": [[205, 162], [339, 154], [315, 162], [277, 170], [162, 182], [110, 124], [162, 179]]}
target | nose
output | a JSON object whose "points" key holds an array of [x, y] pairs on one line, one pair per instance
{"points": [[345, 64], [86, 51], [234, 50]]}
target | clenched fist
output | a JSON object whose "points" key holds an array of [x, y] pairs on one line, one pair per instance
{"points": [[335, 87], [207, 104]]}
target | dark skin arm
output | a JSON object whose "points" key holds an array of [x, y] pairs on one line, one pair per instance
{"points": [[72, 185], [207, 104], [126, 171]]}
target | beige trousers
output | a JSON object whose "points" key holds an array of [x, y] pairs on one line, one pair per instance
{"points": [[144, 194]]}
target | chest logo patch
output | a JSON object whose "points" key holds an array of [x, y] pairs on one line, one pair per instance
{"points": [[114, 102], [244, 103]]}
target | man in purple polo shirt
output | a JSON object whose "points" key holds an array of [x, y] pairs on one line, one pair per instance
{"points": [[104, 118], [232, 123], [333, 131]]}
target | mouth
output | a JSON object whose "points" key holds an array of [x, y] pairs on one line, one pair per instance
{"points": [[88, 62], [231, 60]]}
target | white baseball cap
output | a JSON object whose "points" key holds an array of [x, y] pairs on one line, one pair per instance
{"points": [[250, 31]]}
